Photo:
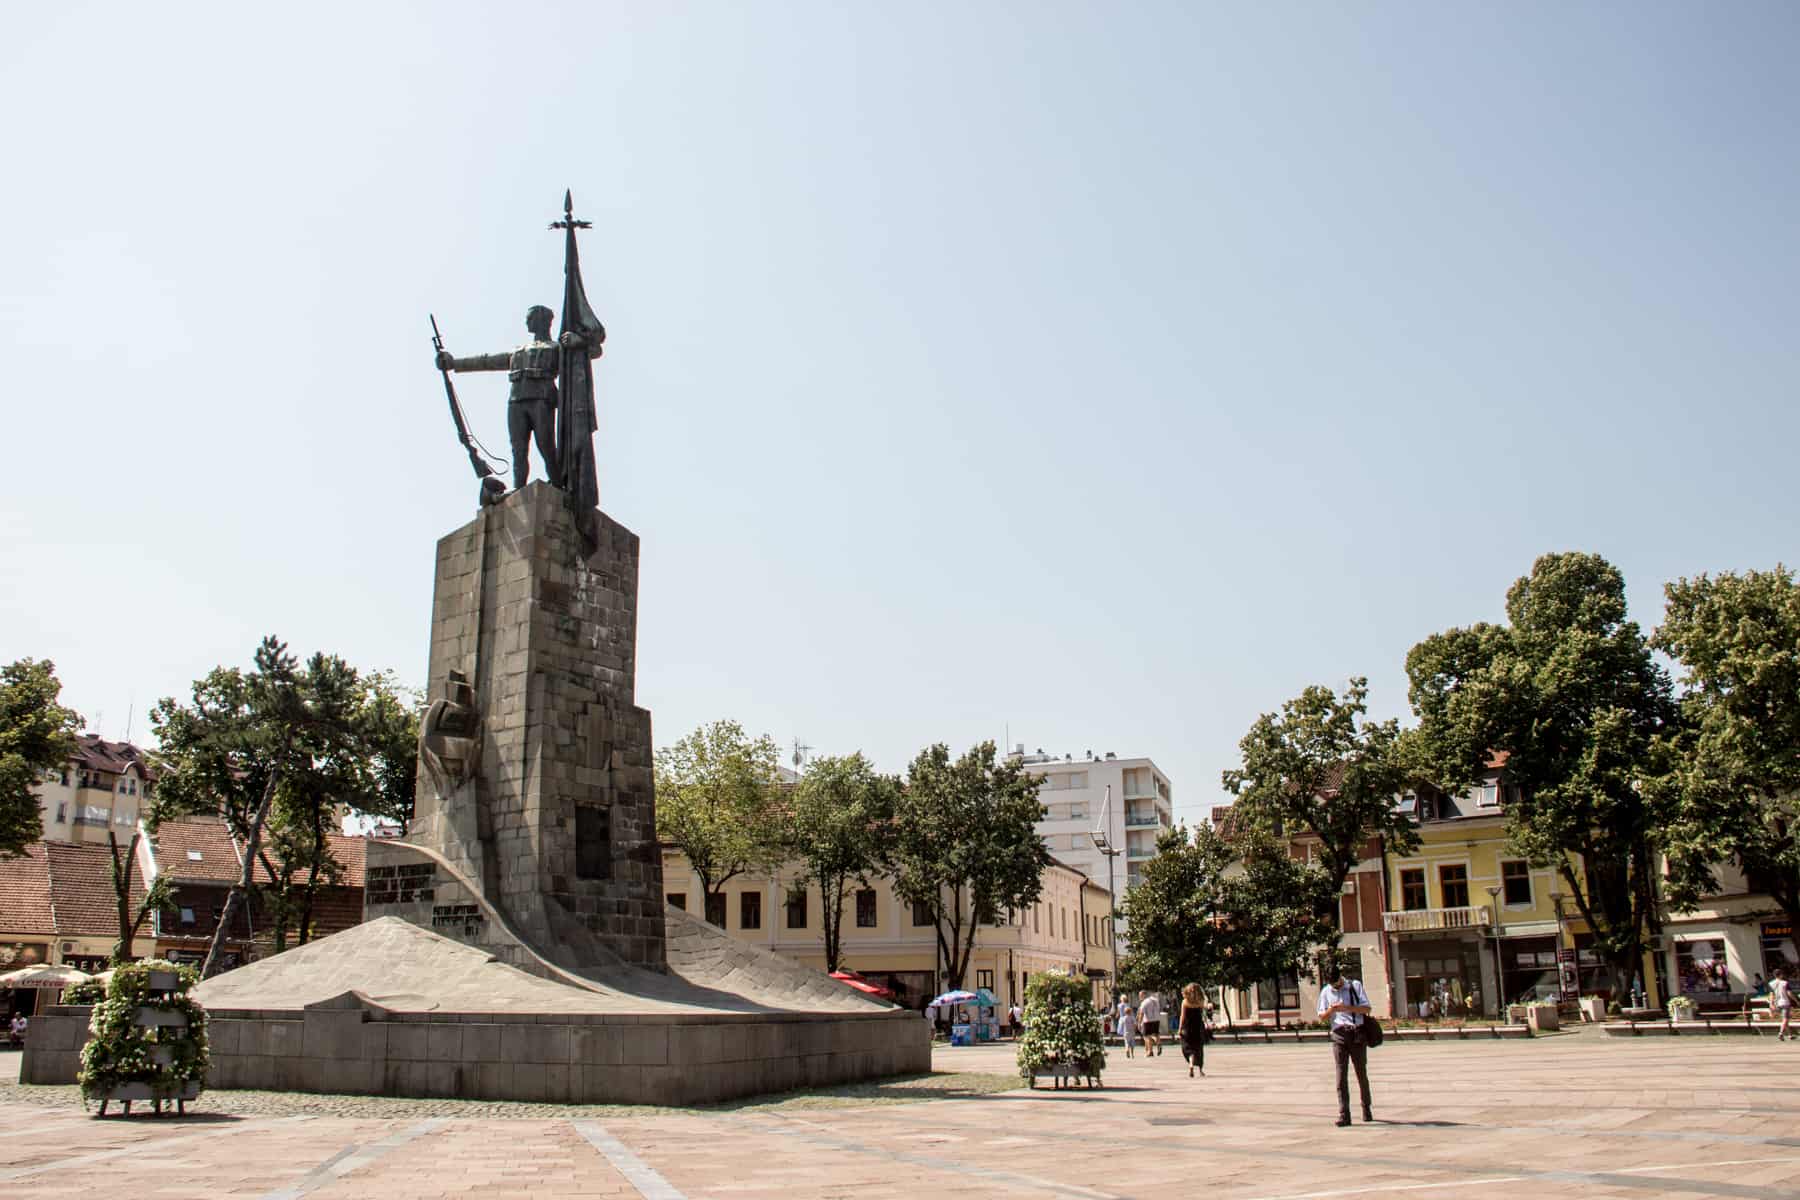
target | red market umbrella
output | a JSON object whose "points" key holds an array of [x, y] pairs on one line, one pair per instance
{"points": [[862, 985]]}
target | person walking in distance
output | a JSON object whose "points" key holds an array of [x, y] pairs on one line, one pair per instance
{"points": [[1150, 1021], [1128, 1026], [1781, 1001], [1193, 1028], [1346, 1004]]}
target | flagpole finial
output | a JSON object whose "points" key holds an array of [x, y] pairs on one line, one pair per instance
{"points": [[568, 218]]}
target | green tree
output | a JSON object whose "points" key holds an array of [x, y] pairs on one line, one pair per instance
{"points": [[278, 733], [1319, 767], [297, 852], [719, 798], [1568, 687], [1732, 782], [1276, 911], [1174, 916], [841, 828], [37, 736], [966, 846], [156, 896]]}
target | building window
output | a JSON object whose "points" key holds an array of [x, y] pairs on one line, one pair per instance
{"points": [[921, 914], [1287, 997], [1035, 910], [984, 979], [593, 842], [1702, 967], [1516, 877], [1412, 889], [678, 899], [194, 856], [1076, 779], [796, 908], [1077, 812], [749, 910], [1453, 883], [715, 909], [187, 915], [1485, 795], [865, 908], [62, 810]]}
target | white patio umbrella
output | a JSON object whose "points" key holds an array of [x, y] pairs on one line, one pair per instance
{"points": [[53, 976]]}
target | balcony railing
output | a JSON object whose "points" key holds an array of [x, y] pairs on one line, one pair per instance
{"points": [[1422, 919], [1133, 820]]}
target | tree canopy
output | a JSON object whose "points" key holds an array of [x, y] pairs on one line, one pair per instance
{"points": [[1732, 780], [966, 845], [1568, 688], [307, 738], [841, 828], [37, 736], [1214, 911], [718, 797], [1320, 767]]}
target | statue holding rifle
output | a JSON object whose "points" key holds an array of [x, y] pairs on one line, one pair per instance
{"points": [[531, 408], [552, 394]]}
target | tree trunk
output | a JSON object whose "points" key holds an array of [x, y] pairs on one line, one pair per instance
{"points": [[283, 885], [121, 877], [312, 881], [240, 891]]}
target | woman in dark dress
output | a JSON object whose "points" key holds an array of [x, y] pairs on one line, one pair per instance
{"points": [[1193, 1028]]}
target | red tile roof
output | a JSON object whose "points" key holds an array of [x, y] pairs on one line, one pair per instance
{"points": [[25, 893], [177, 843], [81, 889], [64, 889], [97, 754]]}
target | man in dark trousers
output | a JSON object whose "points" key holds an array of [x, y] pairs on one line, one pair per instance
{"points": [[1346, 1004]]}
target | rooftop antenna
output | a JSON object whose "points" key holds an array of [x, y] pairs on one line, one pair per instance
{"points": [[129, 714], [801, 750]]}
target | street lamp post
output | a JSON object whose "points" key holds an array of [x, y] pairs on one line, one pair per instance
{"points": [[1556, 899], [1103, 843], [1499, 965]]}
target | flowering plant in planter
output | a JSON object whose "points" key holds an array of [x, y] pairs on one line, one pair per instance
{"points": [[147, 1031], [1681, 1008], [1061, 1027]]}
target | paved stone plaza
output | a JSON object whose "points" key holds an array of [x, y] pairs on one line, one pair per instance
{"points": [[1575, 1115]]}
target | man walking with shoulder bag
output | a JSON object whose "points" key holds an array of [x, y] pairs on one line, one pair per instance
{"points": [[1347, 1006]]}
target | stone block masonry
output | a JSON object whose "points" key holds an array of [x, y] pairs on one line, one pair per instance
{"points": [[558, 822]]}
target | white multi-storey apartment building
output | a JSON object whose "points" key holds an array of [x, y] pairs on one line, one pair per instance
{"points": [[1076, 797]]}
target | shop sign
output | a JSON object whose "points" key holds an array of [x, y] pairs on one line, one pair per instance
{"points": [[1778, 929], [14, 955]]}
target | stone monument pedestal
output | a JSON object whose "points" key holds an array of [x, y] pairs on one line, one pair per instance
{"points": [[515, 943]]}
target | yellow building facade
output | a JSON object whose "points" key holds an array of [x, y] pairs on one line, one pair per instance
{"points": [[885, 939], [1471, 925]]}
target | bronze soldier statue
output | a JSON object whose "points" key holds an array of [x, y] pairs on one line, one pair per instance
{"points": [[532, 410]]}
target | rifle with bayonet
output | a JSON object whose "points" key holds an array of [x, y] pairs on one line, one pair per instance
{"points": [[492, 487]]}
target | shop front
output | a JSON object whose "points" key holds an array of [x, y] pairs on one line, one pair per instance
{"points": [[1442, 977], [14, 956], [1528, 971]]}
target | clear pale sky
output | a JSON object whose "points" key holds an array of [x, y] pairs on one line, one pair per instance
{"points": [[1105, 373]]}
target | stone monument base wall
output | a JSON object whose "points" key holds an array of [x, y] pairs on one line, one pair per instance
{"points": [[569, 1059]]}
